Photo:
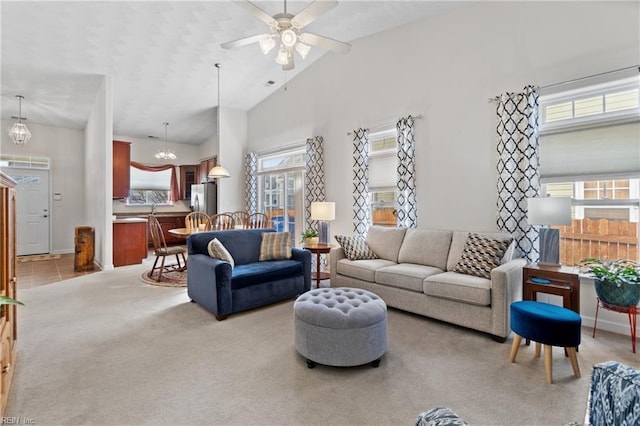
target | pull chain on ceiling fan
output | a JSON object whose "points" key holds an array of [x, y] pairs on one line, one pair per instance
{"points": [[287, 29]]}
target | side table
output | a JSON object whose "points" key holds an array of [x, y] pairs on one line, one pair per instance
{"points": [[561, 281], [318, 249]]}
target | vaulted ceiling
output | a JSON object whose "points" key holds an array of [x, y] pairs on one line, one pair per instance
{"points": [[160, 56]]}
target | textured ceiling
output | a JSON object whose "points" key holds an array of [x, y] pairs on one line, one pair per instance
{"points": [[160, 56]]}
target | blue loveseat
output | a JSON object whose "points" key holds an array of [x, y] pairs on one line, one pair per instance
{"points": [[221, 290]]}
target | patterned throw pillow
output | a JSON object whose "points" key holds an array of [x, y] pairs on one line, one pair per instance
{"points": [[275, 246], [355, 248], [219, 251], [480, 255]]}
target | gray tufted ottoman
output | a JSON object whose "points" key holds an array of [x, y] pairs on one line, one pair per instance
{"points": [[340, 327]]}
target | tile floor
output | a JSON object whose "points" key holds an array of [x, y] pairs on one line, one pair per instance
{"points": [[35, 273]]}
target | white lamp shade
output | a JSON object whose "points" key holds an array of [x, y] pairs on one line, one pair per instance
{"points": [[322, 210], [549, 211], [267, 44], [218, 172]]}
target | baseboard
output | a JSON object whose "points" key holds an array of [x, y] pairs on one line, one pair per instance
{"points": [[614, 327]]}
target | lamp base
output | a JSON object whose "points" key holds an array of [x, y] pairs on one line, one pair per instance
{"points": [[323, 232], [549, 247]]}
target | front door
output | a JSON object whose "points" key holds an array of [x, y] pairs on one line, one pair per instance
{"points": [[32, 210]]}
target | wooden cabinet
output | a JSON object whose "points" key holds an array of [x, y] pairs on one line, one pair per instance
{"points": [[129, 241], [189, 174], [169, 222], [121, 170], [205, 166], [8, 283]]}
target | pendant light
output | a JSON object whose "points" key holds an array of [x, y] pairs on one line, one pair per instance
{"points": [[165, 154], [18, 132], [218, 171]]}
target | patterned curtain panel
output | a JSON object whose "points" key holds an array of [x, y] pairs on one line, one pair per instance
{"points": [[406, 205], [361, 204], [251, 182], [313, 178], [518, 167]]}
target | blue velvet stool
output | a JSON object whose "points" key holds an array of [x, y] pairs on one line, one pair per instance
{"points": [[549, 325]]}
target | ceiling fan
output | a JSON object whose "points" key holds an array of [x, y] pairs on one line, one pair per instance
{"points": [[287, 29]]}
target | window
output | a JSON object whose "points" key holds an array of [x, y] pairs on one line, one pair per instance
{"points": [[281, 189], [589, 151], [383, 177], [150, 187]]}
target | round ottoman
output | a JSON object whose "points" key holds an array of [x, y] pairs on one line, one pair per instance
{"points": [[340, 327]]}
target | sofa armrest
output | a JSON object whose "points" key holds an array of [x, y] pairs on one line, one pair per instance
{"points": [[305, 257], [335, 255], [209, 283], [506, 288]]}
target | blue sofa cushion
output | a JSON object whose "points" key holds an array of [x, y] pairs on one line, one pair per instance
{"points": [[261, 272]]}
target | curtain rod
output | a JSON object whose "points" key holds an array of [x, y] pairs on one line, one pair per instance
{"points": [[387, 124], [637, 67]]}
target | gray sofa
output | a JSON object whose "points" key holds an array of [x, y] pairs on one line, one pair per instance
{"points": [[414, 272], [223, 290]]}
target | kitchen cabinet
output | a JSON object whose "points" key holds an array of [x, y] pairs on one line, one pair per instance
{"points": [[121, 170], [205, 166], [8, 282], [129, 241], [166, 223], [189, 174]]}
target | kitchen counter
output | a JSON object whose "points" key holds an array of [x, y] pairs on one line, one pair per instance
{"points": [[130, 220], [129, 241]]}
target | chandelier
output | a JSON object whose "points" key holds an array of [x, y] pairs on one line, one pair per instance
{"points": [[165, 154], [18, 132]]}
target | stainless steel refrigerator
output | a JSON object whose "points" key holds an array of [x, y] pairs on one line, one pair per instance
{"points": [[204, 198]]}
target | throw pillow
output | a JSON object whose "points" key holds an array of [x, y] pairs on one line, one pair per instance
{"points": [[275, 246], [481, 254], [218, 251], [355, 248]]}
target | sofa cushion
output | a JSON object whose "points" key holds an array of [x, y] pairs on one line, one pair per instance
{"points": [[460, 287], [385, 241], [355, 248], [218, 251], [480, 255], [459, 239], [425, 247], [408, 276], [361, 269], [275, 246], [264, 272]]}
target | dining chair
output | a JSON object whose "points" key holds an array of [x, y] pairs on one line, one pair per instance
{"points": [[162, 251], [241, 218], [222, 221], [197, 221], [258, 220]]}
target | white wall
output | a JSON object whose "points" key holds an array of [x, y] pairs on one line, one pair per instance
{"points": [[445, 68], [99, 181], [65, 149], [233, 146]]}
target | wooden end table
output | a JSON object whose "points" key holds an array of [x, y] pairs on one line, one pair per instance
{"points": [[559, 280], [318, 249]]}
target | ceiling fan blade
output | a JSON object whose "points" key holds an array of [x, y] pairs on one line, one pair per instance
{"points": [[245, 41], [257, 12], [325, 43], [311, 12]]}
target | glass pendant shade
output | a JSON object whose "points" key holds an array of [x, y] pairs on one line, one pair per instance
{"points": [[267, 44], [283, 57], [303, 49], [218, 172], [165, 154], [18, 132]]}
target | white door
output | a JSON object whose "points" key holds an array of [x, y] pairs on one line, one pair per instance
{"points": [[32, 210]]}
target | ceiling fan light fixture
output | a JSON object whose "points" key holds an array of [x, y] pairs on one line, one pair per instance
{"points": [[288, 38], [283, 56], [18, 132], [303, 49], [267, 44]]}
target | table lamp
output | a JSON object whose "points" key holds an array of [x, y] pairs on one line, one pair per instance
{"points": [[549, 211], [323, 212]]}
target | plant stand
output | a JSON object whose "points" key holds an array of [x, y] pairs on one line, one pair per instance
{"points": [[631, 311]]}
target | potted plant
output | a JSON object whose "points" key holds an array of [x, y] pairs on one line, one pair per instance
{"points": [[309, 236], [616, 282]]}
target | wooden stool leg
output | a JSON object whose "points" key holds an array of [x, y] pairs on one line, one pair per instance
{"points": [[538, 350], [514, 347], [548, 363], [574, 361]]}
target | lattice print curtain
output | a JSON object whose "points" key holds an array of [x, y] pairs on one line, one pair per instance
{"points": [[361, 204], [406, 205], [518, 166], [251, 182], [313, 178]]}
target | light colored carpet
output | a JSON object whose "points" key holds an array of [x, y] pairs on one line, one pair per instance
{"points": [[108, 349]]}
